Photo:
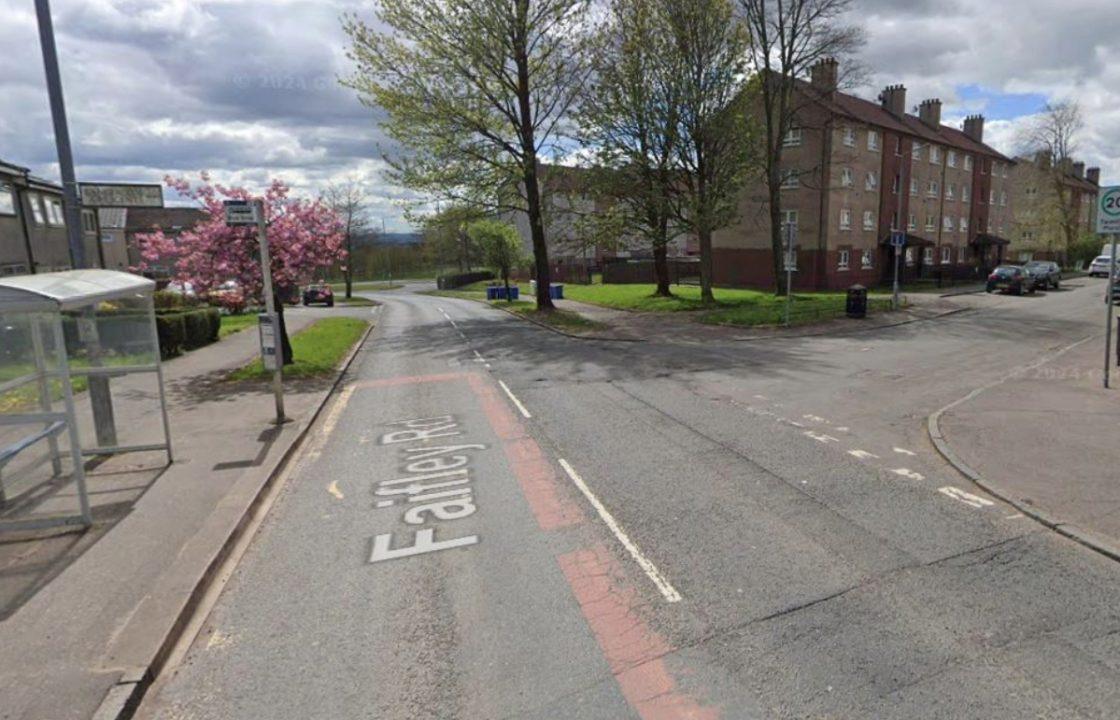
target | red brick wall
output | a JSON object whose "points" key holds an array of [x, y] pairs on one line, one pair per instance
{"points": [[734, 267]]}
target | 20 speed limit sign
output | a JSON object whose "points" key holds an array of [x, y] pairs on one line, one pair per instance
{"points": [[1108, 210]]}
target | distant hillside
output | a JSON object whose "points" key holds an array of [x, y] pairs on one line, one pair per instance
{"points": [[376, 238]]}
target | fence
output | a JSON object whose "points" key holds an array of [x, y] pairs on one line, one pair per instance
{"points": [[626, 271]]}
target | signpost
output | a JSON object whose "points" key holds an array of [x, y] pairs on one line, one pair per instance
{"points": [[1108, 221], [121, 195], [898, 242], [248, 213], [791, 261]]}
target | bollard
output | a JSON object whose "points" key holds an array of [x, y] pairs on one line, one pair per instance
{"points": [[856, 306]]}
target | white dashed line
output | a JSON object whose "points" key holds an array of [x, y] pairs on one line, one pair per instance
{"points": [[815, 418], [667, 591], [862, 454], [908, 473], [904, 451], [1016, 516], [967, 498], [821, 437], [514, 399]]}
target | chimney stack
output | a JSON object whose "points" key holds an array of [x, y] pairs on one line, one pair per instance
{"points": [[893, 99], [1079, 169], [974, 127], [929, 112], [1093, 175], [825, 75]]}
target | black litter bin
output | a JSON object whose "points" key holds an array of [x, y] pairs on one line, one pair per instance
{"points": [[857, 302]]}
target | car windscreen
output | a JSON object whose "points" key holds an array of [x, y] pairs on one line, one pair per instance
{"points": [[1005, 271]]}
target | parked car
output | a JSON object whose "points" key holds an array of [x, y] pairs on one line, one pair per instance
{"points": [[1011, 278], [318, 293], [1046, 274], [1099, 266]]}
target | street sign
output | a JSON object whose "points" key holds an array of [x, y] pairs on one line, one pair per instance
{"points": [[121, 195], [241, 212], [898, 239], [268, 341], [1108, 210]]}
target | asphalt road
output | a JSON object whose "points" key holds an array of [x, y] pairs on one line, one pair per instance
{"points": [[658, 531]]}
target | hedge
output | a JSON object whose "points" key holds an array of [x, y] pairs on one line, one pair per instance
{"points": [[450, 282], [188, 330]]}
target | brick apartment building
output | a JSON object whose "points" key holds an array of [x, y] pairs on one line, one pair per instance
{"points": [[854, 170], [1036, 230]]}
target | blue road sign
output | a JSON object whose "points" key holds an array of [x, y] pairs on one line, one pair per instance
{"points": [[898, 239]]}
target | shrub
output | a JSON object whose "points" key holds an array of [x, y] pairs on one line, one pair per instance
{"points": [[172, 331], [197, 326], [215, 321], [450, 282]]}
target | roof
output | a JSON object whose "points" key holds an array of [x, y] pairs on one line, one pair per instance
{"points": [[872, 113], [12, 169], [143, 219], [42, 184], [72, 289]]}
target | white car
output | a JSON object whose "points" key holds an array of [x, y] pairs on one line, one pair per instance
{"points": [[1099, 266]]}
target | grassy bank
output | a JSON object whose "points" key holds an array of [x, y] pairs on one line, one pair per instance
{"points": [[317, 349]]}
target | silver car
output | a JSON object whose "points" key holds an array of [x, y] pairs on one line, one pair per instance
{"points": [[1099, 266]]}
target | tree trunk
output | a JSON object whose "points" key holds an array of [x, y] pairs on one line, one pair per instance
{"points": [[661, 269], [505, 279], [349, 266], [705, 236]]}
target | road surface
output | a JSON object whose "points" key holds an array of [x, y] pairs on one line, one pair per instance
{"points": [[495, 521]]}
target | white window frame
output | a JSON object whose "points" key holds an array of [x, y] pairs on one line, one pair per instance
{"points": [[913, 186], [966, 193], [843, 259], [867, 260], [37, 211], [933, 189], [931, 223], [873, 140], [846, 177], [964, 224], [871, 182], [849, 136], [951, 158], [7, 199], [947, 223], [946, 255], [790, 180], [912, 222], [992, 196], [950, 191], [968, 163], [845, 218], [793, 137], [934, 155], [927, 255], [868, 220], [54, 212], [916, 151], [908, 256], [962, 254], [789, 217], [1003, 198]]}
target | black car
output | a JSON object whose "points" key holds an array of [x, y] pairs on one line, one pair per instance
{"points": [[318, 293], [1046, 274], [1011, 278]]}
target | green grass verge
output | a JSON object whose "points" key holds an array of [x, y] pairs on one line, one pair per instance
{"points": [[236, 323], [561, 319], [340, 287], [356, 302], [317, 349]]}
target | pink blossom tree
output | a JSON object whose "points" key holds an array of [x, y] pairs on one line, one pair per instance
{"points": [[304, 237]]}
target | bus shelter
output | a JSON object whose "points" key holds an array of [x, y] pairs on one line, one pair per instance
{"points": [[68, 342]]}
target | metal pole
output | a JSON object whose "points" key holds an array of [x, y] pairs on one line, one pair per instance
{"points": [[72, 423], [159, 379], [898, 228], [61, 136], [270, 308], [789, 271], [1108, 311]]}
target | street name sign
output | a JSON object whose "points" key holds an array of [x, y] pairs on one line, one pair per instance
{"points": [[121, 195], [241, 212], [898, 239], [1108, 210]]}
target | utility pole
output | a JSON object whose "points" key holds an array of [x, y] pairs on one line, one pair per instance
{"points": [[270, 309], [898, 228], [61, 135], [791, 258], [1108, 290]]}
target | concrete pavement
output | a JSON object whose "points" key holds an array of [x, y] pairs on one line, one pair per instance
{"points": [[86, 617], [658, 530]]}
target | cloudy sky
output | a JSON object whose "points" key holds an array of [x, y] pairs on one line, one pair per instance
{"points": [[248, 88]]}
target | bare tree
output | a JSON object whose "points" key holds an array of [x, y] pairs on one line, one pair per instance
{"points": [[348, 198], [1052, 137], [713, 153], [788, 37]]}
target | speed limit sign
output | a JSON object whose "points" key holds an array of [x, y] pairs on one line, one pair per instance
{"points": [[1108, 210]]}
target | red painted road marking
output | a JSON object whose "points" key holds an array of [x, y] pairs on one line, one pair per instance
{"points": [[409, 380], [634, 652]]}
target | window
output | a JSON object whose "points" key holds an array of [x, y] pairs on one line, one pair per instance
{"points": [[913, 186], [931, 223], [842, 262], [964, 224], [845, 219], [1031, 191], [54, 212], [872, 181], [846, 177], [984, 164], [927, 255], [912, 224], [792, 138], [909, 255], [867, 260], [916, 151], [992, 197], [1004, 174], [966, 193], [933, 188], [872, 139], [951, 158], [789, 217], [897, 183], [995, 168], [898, 145], [991, 225], [7, 200], [789, 180], [947, 223], [962, 254], [1003, 197], [88, 223], [850, 137], [868, 220], [950, 191], [946, 255], [36, 208], [968, 163], [934, 155]]}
